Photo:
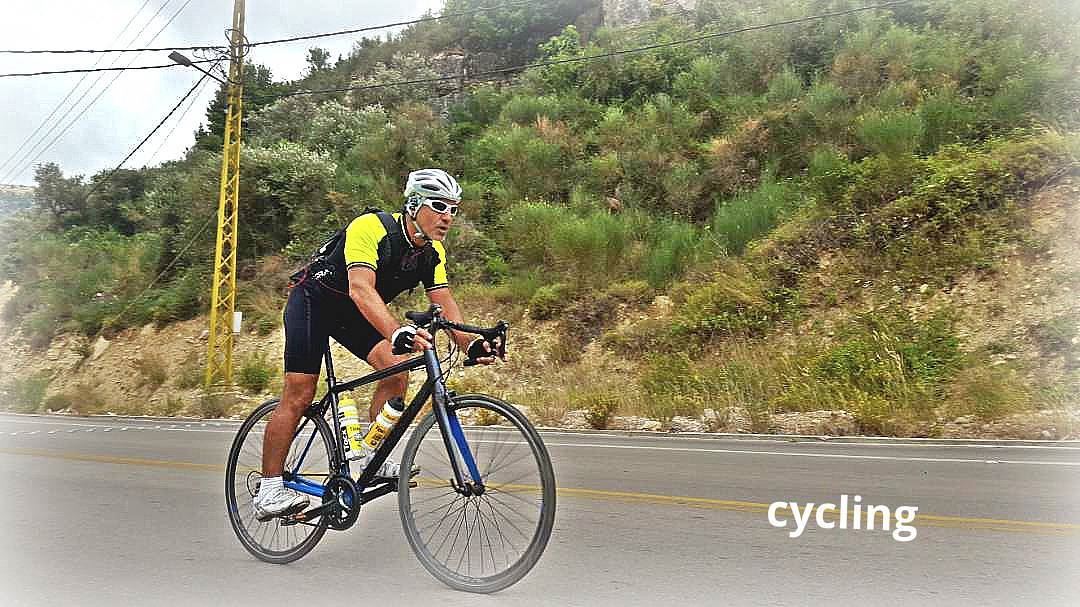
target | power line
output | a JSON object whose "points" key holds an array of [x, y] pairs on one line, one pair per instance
{"points": [[147, 138], [20, 164], [508, 5], [205, 47], [70, 92], [217, 47], [35, 153], [104, 69], [550, 62], [162, 274], [176, 124]]}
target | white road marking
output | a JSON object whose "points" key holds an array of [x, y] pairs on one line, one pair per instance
{"points": [[92, 427]]}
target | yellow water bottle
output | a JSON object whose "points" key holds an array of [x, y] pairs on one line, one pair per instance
{"points": [[350, 428], [380, 428]]}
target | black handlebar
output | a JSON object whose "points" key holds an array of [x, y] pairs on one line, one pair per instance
{"points": [[433, 321]]}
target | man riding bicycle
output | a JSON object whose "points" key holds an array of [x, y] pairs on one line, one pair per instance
{"points": [[343, 294]]}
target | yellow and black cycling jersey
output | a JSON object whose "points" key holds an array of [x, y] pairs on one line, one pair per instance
{"points": [[377, 240]]}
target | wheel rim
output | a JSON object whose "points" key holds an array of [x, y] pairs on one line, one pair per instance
{"points": [[480, 539], [273, 538]]}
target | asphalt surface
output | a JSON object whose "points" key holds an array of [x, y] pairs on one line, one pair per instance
{"points": [[109, 511]]}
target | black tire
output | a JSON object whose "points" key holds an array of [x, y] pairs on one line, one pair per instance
{"points": [[271, 541], [514, 516]]}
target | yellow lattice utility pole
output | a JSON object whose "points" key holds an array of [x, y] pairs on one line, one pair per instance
{"points": [[223, 296]]}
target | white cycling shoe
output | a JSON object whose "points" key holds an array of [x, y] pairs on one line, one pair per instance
{"points": [[281, 502]]}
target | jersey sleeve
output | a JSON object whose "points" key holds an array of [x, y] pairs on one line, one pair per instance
{"points": [[437, 278], [362, 241]]}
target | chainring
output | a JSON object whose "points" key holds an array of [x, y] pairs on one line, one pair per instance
{"points": [[342, 490]]}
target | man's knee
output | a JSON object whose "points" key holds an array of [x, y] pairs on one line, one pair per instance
{"points": [[299, 389]]}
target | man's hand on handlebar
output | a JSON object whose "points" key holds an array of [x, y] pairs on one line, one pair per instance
{"points": [[481, 351], [408, 338]]}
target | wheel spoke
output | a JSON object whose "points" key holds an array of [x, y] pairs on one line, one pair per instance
{"points": [[273, 540], [479, 542]]}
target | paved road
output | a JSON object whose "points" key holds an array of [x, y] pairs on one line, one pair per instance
{"points": [[119, 511]]}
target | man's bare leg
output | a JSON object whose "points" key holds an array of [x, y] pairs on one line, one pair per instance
{"points": [[297, 395], [380, 358]]}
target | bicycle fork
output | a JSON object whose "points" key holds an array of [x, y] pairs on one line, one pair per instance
{"points": [[457, 448]]}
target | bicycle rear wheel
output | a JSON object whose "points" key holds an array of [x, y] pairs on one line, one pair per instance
{"points": [[487, 542], [272, 541]]}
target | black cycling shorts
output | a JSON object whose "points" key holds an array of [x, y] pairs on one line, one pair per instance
{"points": [[312, 316]]}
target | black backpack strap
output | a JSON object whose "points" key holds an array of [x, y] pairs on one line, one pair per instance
{"points": [[398, 245]]}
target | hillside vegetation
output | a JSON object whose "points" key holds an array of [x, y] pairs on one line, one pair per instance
{"points": [[780, 221]]}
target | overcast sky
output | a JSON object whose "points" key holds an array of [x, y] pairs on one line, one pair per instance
{"points": [[137, 100]]}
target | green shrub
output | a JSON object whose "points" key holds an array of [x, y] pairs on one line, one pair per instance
{"points": [[739, 221], [525, 109], [600, 406], [25, 395], [895, 133], [830, 173], [825, 103], [785, 86], [548, 301], [527, 230], [256, 372], [988, 393], [946, 120], [591, 248], [673, 247], [518, 288]]}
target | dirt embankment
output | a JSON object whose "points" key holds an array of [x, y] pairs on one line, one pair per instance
{"points": [[1028, 309]]}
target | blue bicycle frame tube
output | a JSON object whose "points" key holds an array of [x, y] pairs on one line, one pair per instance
{"points": [[303, 485], [453, 437]]}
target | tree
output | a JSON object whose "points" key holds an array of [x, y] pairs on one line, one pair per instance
{"points": [[62, 198], [259, 92], [317, 59]]}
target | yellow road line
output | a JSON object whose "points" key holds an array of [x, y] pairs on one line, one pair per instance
{"points": [[925, 520], [109, 459]]}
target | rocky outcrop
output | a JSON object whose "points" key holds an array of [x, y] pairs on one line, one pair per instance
{"points": [[621, 13], [818, 423]]}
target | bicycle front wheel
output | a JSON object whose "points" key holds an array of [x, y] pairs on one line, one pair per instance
{"points": [[311, 455], [479, 543]]}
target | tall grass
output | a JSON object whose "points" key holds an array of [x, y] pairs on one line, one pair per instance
{"points": [[751, 215], [895, 133]]}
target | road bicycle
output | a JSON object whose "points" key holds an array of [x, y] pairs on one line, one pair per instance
{"points": [[479, 513]]}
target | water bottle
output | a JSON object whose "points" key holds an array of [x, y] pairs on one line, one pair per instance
{"points": [[351, 432], [380, 428]]}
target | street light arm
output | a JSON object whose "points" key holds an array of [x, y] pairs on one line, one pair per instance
{"points": [[182, 60]]}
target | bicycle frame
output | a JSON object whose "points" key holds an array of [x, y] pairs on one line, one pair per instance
{"points": [[450, 428]]}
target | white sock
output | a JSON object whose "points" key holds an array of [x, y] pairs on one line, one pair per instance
{"points": [[269, 485]]}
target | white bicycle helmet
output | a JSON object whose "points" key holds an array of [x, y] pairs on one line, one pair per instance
{"points": [[429, 183]]}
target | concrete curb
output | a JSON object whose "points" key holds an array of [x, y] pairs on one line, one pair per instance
{"points": [[787, 438]]}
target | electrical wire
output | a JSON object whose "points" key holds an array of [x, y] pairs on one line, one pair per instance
{"points": [[183, 114], [506, 6], [550, 62], [147, 138], [161, 275], [22, 165], [71, 92], [101, 69], [215, 47]]}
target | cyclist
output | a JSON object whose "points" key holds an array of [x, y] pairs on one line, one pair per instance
{"points": [[342, 293]]}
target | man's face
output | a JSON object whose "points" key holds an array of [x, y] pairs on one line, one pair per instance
{"points": [[435, 224]]}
